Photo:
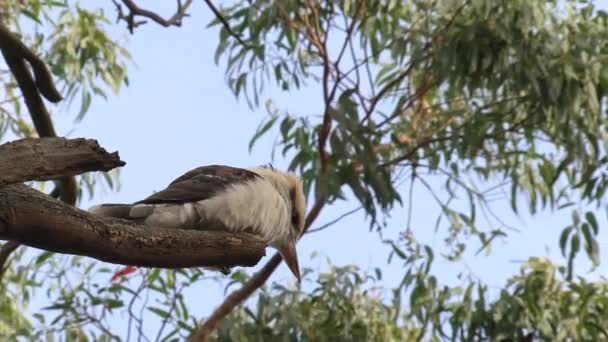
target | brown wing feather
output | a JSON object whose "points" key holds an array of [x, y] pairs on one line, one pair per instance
{"points": [[200, 183]]}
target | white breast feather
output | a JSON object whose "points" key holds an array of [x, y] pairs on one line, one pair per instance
{"points": [[255, 204]]}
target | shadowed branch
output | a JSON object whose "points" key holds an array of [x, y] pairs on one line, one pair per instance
{"points": [[52, 158], [35, 219]]}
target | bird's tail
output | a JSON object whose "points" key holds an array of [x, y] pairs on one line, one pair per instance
{"points": [[112, 210]]}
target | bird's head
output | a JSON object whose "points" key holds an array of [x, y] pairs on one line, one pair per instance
{"points": [[292, 190]]}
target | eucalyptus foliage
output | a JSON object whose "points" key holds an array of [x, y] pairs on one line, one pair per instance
{"points": [[345, 304], [86, 62], [482, 94], [498, 95], [479, 93]]}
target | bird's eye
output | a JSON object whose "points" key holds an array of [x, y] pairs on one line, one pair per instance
{"points": [[295, 219], [295, 214]]}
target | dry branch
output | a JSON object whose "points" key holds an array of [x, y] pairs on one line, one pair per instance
{"points": [[12, 48], [37, 220], [16, 54], [52, 158], [31, 93], [136, 11]]}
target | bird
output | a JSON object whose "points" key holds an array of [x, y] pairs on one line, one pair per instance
{"points": [[260, 200]]}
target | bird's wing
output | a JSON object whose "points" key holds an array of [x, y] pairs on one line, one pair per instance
{"points": [[200, 184]]}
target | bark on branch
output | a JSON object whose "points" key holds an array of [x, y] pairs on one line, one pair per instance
{"points": [[37, 220], [15, 52], [17, 56], [52, 158]]}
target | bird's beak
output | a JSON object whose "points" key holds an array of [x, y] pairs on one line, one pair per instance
{"points": [[289, 254]]}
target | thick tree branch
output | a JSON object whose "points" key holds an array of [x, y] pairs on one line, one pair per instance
{"points": [[52, 158], [16, 54], [37, 220], [12, 47], [35, 105]]}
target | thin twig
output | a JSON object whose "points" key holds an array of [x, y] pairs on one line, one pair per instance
{"points": [[334, 221], [411, 201], [176, 292], [225, 23], [101, 326], [136, 11], [347, 39], [132, 316], [144, 305]]}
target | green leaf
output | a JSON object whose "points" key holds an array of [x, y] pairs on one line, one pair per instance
{"points": [[398, 251], [153, 275], [592, 221], [114, 303], [286, 126], [263, 128], [591, 246], [291, 38], [563, 239], [575, 245], [378, 272], [240, 83], [576, 219], [85, 105], [31, 15], [593, 251], [44, 256], [158, 311], [171, 279]]}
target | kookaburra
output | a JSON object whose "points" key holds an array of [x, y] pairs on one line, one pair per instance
{"points": [[260, 200]]}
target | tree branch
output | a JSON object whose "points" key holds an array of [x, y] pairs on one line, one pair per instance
{"points": [[135, 10], [15, 54], [334, 221], [52, 158], [35, 105], [12, 47], [35, 219], [225, 23]]}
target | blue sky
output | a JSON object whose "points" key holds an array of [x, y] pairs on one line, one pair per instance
{"points": [[178, 114]]}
